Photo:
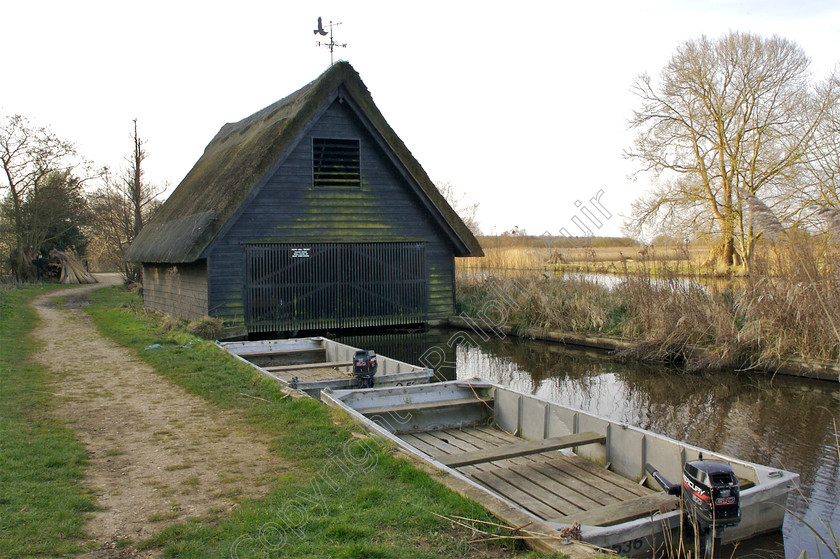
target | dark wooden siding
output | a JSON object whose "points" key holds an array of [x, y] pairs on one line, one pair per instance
{"points": [[177, 290], [289, 209]]}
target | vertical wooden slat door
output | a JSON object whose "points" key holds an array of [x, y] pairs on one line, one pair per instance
{"points": [[307, 286]]}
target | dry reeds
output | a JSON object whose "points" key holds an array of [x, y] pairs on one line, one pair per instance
{"points": [[797, 294], [788, 306], [532, 300]]}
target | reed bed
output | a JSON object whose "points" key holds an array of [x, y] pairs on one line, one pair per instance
{"points": [[538, 255], [667, 302]]}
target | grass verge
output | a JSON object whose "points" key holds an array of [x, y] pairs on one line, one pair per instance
{"points": [[42, 500], [346, 495]]}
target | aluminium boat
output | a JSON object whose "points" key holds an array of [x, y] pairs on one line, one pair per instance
{"points": [[569, 471], [314, 363]]}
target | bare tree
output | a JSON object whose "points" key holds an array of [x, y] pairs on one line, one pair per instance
{"points": [[466, 211], [727, 116], [113, 224], [28, 154], [122, 206], [138, 193], [822, 169]]}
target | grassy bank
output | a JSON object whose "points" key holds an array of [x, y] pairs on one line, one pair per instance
{"points": [[344, 496], [787, 307], [42, 501]]}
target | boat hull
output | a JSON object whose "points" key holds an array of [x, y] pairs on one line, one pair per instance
{"points": [[315, 363], [431, 421]]}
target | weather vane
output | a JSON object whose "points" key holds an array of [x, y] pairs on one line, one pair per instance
{"points": [[332, 44]]}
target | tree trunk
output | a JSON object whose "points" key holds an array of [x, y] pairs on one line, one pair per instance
{"points": [[137, 187], [728, 256]]}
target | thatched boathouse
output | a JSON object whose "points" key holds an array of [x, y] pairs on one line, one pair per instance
{"points": [[308, 214]]}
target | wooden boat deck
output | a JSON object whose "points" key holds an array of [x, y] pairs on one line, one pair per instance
{"points": [[308, 365], [315, 372], [552, 485]]}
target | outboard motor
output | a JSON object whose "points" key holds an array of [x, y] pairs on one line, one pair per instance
{"points": [[364, 368], [711, 500]]}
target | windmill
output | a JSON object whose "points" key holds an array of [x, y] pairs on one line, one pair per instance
{"points": [[331, 44]]}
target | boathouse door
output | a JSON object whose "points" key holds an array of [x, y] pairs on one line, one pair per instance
{"points": [[307, 286]]}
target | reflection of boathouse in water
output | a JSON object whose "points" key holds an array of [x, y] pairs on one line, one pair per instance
{"points": [[310, 213]]}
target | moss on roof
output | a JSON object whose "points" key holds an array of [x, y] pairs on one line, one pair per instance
{"points": [[243, 153]]}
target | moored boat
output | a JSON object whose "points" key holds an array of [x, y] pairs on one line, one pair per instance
{"points": [[314, 363], [565, 468]]}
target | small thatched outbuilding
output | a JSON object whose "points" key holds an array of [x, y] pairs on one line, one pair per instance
{"points": [[308, 214]]}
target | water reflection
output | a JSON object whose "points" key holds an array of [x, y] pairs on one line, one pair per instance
{"points": [[778, 421]]}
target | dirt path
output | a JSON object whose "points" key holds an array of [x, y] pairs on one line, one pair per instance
{"points": [[158, 454]]}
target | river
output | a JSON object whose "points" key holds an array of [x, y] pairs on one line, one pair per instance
{"points": [[774, 420]]}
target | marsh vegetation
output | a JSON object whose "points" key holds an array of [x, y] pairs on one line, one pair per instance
{"points": [[669, 300]]}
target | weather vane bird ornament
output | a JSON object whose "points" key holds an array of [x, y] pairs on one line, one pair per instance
{"points": [[332, 44]]}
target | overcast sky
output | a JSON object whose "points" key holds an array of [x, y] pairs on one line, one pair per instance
{"points": [[522, 106]]}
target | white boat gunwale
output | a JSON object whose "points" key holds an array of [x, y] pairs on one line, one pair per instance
{"points": [[339, 357]]}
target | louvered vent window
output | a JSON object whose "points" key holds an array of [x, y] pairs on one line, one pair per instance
{"points": [[335, 163]]}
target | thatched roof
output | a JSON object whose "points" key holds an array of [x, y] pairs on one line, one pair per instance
{"points": [[241, 157]]}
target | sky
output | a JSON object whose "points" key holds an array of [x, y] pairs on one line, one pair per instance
{"points": [[522, 106]]}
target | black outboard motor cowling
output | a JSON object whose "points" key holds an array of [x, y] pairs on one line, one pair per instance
{"points": [[712, 493], [364, 368], [711, 499]]}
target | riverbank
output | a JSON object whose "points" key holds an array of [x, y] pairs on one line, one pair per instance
{"points": [[782, 318], [790, 367]]}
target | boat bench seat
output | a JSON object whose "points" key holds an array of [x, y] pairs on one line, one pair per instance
{"points": [[301, 366], [520, 449], [300, 353], [417, 406], [624, 511]]}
